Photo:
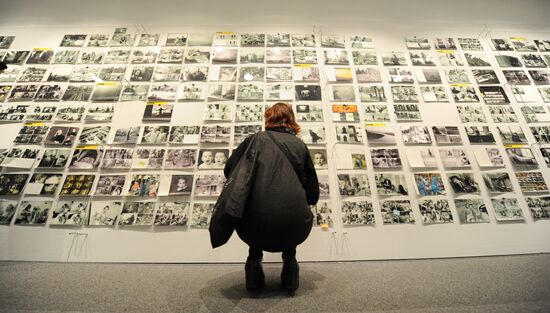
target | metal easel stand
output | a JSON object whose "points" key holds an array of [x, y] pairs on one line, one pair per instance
{"points": [[79, 245]]}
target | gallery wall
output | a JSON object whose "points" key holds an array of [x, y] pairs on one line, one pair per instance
{"points": [[376, 240]]}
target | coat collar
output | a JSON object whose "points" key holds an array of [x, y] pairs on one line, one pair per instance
{"points": [[287, 130]]}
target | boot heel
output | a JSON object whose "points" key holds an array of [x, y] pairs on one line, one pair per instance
{"points": [[290, 276]]}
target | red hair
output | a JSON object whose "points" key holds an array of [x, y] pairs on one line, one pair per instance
{"points": [[281, 115]]}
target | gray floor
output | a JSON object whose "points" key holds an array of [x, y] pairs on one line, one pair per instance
{"points": [[488, 284]]}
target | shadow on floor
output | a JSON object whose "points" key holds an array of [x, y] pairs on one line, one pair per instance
{"points": [[227, 292]]}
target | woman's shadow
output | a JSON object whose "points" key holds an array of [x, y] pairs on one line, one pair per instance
{"points": [[227, 292]]}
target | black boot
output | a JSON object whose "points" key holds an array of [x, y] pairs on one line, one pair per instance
{"points": [[290, 275], [254, 273]]}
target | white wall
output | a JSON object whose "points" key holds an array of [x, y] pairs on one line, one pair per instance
{"points": [[387, 24]]}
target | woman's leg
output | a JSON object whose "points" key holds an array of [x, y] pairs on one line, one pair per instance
{"points": [[254, 273], [290, 279]]}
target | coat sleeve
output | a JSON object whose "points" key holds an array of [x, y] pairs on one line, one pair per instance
{"points": [[236, 156], [312, 183]]}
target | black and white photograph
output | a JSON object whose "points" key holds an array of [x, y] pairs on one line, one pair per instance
{"points": [[6, 41], [252, 56], [173, 214], [212, 158], [494, 95], [224, 55], [167, 74], [545, 152], [404, 94], [180, 159], [117, 57], [200, 217], [541, 134], [163, 92], [444, 43], [7, 209], [511, 134], [106, 92], [449, 58], [399, 75], [91, 57], [134, 92], [142, 73], [110, 185], [434, 94], [385, 158], [127, 135], [322, 214], [482, 77], [342, 74], [32, 74], [30, 134], [539, 207], [521, 156], [435, 211], [388, 184], [303, 40], [143, 56], [23, 92], [340, 93], [516, 77], [488, 157], [447, 135], [4, 92], [94, 135], [350, 159], [507, 209], [463, 183], [524, 44], [429, 184], [313, 93], [12, 184], [86, 158], [407, 112], [208, 185], [502, 45], [542, 45], [345, 113], [477, 60], [422, 58], [148, 158], [454, 158], [336, 57], [13, 113], [471, 211], [380, 135], [117, 158], [421, 158], [394, 58], [54, 158], [184, 134], [278, 56], [23, 158], [313, 135], [10, 74], [427, 75], [176, 39], [353, 185], [357, 213], [324, 185], [252, 40], [170, 56], [65, 57], [192, 92], [33, 212], [304, 56], [147, 40], [371, 93], [283, 73], [544, 93], [333, 41], [176, 185], [69, 213], [43, 184], [531, 181], [16, 57], [241, 132], [376, 113], [84, 74], [143, 185], [217, 112], [529, 60], [471, 114], [540, 77], [414, 42], [123, 40], [364, 57], [99, 40], [498, 182], [397, 212], [305, 113], [348, 134], [155, 135], [464, 93], [77, 185], [508, 61], [196, 56], [158, 112], [298, 73], [221, 92], [215, 134], [319, 158], [73, 40], [137, 213], [250, 92], [78, 93], [99, 113], [479, 134], [415, 135], [49, 93]]}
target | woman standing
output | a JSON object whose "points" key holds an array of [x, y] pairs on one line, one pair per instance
{"points": [[277, 217]]}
